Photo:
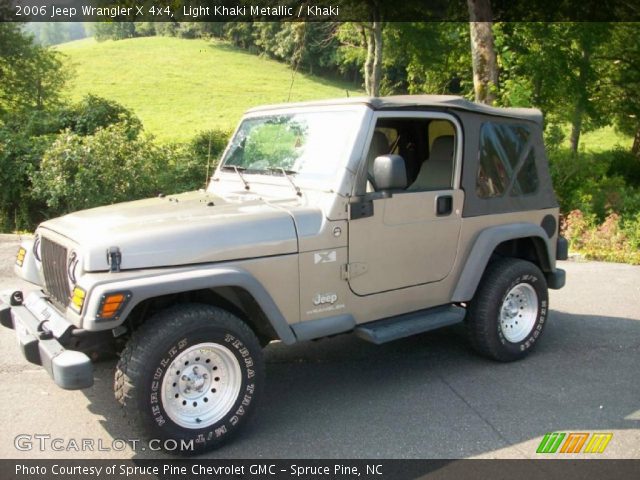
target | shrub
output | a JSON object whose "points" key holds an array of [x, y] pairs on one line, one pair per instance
{"points": [[631, 228], [190, 166], [19, 157], [553, 137], [167, 29], [145, 29], [589, 182], [209, 145], [79, 172], [84, 171], [614, 240], [188, 30], [625, 164], [93, 112]]}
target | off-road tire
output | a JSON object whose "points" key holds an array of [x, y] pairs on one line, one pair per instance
{"points": [[484, 324], [150, 355]]}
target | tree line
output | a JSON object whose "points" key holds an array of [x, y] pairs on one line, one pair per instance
{"points": [[585, 75], [56, 155]]}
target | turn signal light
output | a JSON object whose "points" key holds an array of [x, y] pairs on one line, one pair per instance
{"points": [[20, 257], [112, 304], [77, 298]]}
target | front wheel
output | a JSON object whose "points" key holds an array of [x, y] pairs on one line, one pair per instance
{"points": [[191, 376], [509, 310]]}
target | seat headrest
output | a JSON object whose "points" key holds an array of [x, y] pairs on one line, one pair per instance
{"points": [[379, 143], [442, 149]]}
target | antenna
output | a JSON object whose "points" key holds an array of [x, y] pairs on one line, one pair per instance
{"points": [[206, 180], [299, 59]]}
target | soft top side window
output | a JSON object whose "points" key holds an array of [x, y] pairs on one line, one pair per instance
{"points": [[507, 161], [426, 145]]}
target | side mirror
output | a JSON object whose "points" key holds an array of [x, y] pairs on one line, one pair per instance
{"points": [[389, 173]]}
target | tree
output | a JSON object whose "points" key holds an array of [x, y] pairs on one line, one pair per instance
{"points": [[585, 77], [483, 54], [372, 33], [623, 56], [557, 67], [362, 45], [113, 30], [31, 76], [427, 57]]}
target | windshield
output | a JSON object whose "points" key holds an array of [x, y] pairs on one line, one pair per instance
{"points": [[307, 145]]}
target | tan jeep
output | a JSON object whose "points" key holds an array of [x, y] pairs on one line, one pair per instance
{"points": [[385, 217]]}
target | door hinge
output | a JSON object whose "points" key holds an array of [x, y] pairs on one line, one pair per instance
{"points": [[353, 270]]}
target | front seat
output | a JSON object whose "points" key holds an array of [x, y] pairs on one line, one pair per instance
{"points": [[437, 171], [379, 146]]}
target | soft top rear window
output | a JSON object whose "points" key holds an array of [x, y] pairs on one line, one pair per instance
{"points": [[507, 161]]}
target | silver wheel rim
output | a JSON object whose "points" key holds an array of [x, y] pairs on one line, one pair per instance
{"points": [[201, 385], [519, 312]]}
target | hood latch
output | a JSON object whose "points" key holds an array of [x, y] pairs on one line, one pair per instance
{"points": [[114, 258]]}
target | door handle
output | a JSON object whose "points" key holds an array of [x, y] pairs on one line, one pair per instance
{"points": [[444, 205]]}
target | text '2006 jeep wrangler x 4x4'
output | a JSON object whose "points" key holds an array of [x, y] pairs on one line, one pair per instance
{"points": [[386, 217]]}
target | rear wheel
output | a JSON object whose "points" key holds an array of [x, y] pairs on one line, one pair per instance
{"points": [[509, 310], [190, 376]]}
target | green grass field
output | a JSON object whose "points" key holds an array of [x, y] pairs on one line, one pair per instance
{"points": [[603, 139], [179, 87]]}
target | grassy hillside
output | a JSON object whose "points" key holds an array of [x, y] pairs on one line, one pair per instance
{"points": [[603, 139], [179, 87]]}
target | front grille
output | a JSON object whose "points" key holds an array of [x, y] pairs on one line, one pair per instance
{"points": [[54, 266]]}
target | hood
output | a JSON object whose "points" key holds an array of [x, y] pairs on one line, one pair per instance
{"points": [[195, 227]]}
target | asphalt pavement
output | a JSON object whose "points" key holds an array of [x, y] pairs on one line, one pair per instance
{"points": [[428, 396]]}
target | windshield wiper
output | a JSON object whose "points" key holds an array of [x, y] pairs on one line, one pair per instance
{"points": [[288, 175], [238, 171]]}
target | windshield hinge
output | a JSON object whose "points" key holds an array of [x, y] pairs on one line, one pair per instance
{"points": [[353, 270]]}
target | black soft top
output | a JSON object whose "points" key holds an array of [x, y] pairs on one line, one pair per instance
{"points": [[417, 102]]}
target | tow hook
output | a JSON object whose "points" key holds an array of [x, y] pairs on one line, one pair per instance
{"points": [[16, 298], [44, 331]]}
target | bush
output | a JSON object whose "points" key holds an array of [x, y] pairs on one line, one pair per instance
{"points": [[588, 182], [614, 240], [190, 166], [145, 29], [84, 171], [188, 30], [553, 137], [19, 157], [167, 29], [93, 112], [625, 164], [79, 172], [631, 229], [209, 145]]}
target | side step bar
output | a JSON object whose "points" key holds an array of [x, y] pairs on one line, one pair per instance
{"points": [[393, 328]]}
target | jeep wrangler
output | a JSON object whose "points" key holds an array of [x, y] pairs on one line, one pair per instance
{"points": [[385, 217]]}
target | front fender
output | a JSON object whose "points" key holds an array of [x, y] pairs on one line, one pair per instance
{"points": [[483, 248], [170, 282], [28, 270]]}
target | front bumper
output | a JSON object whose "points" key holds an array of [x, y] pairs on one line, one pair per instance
{"points": [[39, 333]]}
